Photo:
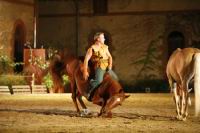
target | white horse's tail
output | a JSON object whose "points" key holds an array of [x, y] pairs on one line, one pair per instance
{"points": [[197, 83]]}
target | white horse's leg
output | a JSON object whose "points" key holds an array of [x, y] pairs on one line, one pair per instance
{"points": [[183, 105], [182, 102], [176, 100], [187, 101]]}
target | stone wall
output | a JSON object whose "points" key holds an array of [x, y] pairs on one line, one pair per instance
{"points": [[152, 5], [10, 14], [134, 27]]}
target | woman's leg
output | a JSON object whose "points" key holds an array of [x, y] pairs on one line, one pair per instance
{"points": [[99, 73]]}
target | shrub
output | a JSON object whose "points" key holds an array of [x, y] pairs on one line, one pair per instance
{"points": [[48, 82], [12, 80]]}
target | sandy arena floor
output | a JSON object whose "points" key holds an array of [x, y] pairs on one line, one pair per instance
{"points": [[56, 113]]}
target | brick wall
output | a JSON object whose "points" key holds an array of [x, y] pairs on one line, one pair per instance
{"points": [[11, 13]]}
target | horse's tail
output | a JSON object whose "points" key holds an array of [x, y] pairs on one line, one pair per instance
{"points": [[57, 67], [196, 83]]}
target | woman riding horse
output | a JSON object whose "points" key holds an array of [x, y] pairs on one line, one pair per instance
{"points": [[108, 94], [101, 59]]}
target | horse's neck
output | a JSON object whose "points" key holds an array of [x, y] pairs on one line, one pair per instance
{"points": [[108, 86], [107, 81]]}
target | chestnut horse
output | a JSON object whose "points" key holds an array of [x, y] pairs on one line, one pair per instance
{"points": [[180, 71], [108, 94]]}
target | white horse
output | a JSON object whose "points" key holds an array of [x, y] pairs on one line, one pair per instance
{"points": [[180, 70]]}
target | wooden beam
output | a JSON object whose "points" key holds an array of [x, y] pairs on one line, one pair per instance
{"points": [[19, 2], [59, 15]]}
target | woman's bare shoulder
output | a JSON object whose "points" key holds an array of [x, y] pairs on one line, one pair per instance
{"points": [[105, 46]]}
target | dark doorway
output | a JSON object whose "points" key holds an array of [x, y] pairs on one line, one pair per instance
{"points": [[19, 40], [175, 40]]}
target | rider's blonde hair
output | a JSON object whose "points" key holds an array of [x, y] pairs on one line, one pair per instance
{"points": [[96, 36]]}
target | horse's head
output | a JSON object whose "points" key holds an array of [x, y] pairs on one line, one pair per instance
{"points": [[112, 93]]}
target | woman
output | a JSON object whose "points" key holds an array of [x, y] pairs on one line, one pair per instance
{"points": [[102, 60]]}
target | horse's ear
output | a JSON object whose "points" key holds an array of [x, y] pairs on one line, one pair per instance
{"points": [[126, 96]]}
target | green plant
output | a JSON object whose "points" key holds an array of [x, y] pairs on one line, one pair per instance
{"points": [[65, 79], [40, 63], [6, 64], [47, 80], [10, 80], [51, 52]]}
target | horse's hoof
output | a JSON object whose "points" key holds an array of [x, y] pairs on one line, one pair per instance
{"points": [[184, 119], [83, 114], [107, 115], [99, 114], [179, 117], [186, 114], [86, 111]]}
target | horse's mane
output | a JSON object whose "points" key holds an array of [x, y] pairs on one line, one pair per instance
{"points": [[57, 66], [81, 58]]}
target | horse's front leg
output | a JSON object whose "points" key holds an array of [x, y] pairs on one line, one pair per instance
{"points": [[187, 100], [85, 110], [188, 104], [184, 107], [75, 102], [185, 113], [177, 101], [184, 102], [81, 101], [102, 108], [74, 95]]}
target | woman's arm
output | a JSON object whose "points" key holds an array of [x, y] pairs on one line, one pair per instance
{"points": [[87, 58]]}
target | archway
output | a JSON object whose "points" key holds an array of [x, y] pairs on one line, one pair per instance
{"points": [[175, 40], [19, 40]]}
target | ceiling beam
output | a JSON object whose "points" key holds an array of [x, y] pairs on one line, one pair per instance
{"points": [[20, 2]]}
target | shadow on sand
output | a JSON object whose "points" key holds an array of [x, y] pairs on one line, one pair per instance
{"points": [[72, 113]]}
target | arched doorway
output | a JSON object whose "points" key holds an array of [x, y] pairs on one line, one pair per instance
{"points": [[19, 40], [175, 40]]}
